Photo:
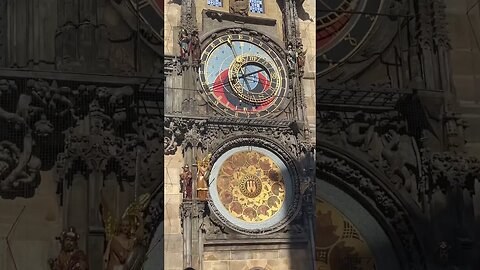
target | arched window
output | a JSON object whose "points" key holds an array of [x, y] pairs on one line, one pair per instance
{"points": [[256, 6], [215, 3]]}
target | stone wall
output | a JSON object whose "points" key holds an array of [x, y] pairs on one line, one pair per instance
{"points": [[308, 34], [32, 237], [173, 245], [464, 31], [279, 259]]}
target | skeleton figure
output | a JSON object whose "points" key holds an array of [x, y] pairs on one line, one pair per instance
{"points": [[291, 58], [70, 257]]}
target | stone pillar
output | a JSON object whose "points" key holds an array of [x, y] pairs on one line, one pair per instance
{"points": [[197, 243], [192, 217], [96, 233], [186, 216]]}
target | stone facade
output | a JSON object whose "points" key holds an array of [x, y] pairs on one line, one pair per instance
{"points": [[392, 130], [194, 128], [81, 119]]}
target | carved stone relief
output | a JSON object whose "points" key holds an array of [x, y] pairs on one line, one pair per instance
{"points": [[380, 138]]}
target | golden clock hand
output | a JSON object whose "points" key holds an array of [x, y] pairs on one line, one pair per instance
{"points": [[230, 44]]}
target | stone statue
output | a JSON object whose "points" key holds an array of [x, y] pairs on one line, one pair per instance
{"points": [[195, 50], [398, 153], [70, 257], [6, 88], [126, 246], [186, 182], [301, 58], [184, 42], [360, 132], [202, 178], [291, 58], [239, 7]]}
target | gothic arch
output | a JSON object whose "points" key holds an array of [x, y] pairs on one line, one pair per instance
{"points": [[363, 184]]}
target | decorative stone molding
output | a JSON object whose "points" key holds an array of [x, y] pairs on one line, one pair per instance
{"points": [[343, 172], [446, 170]]}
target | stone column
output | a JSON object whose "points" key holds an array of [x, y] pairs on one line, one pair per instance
{"points": [[197, 243], [186, 215], [96, 232], [192, 217]]}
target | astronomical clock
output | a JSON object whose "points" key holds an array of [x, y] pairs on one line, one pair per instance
{"points": [[237, 114], [244, 76], [352, 33]]}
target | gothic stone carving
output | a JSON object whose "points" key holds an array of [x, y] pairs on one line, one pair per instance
{"points": [[239, 7], [381, 139], [446, 170], [332, 168], [44, 111], [33, 116]]}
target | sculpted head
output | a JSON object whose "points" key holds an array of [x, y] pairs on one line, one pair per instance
{"points": [[69, 240]]}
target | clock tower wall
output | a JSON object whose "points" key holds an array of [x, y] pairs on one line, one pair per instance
{"points": [[206, 132]]}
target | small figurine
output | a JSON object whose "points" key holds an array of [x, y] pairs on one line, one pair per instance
{"points": [[195, 50], [184, 41], [291, 58], [202, 176], [70, 257], [186, 182]]}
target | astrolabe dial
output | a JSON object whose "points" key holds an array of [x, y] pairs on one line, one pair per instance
{"points": [[251, 187], [243, 76], [254, 79], [343, 26]]}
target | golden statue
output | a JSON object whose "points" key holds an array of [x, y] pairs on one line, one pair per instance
{"points": [[125, 241], [203, 166]]}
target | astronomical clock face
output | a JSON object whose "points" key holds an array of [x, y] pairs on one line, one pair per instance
{"points": [[251, 188], [243, 76], [341, 29]]}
